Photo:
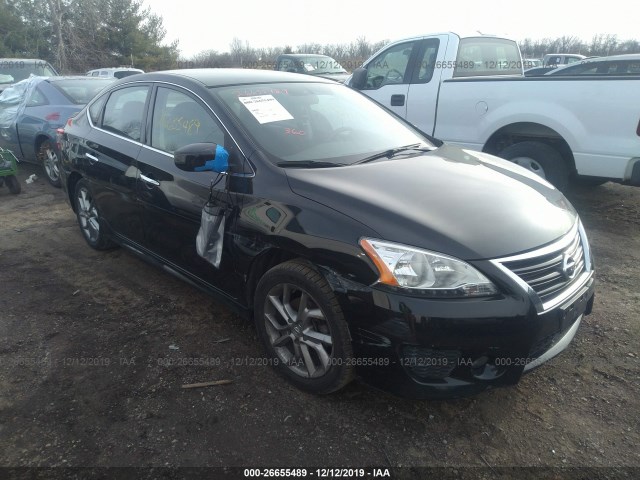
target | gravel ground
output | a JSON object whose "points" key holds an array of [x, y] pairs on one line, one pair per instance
{"points": [[95, 348]]}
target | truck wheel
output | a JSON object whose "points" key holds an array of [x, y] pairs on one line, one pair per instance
{"points": [[13, 184], [50, 162], [541, 159], [303, 329]]}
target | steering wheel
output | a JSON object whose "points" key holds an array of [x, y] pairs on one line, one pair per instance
{"points": [[393, 76]]}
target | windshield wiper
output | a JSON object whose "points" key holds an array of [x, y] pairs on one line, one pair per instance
{"points": [[392, 152], [309, 164]]}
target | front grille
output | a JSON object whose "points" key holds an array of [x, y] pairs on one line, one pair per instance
{"points": [[551, 273]]}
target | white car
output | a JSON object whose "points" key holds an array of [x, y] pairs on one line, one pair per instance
{"points": [[628, 64], [114, 72], [557, 59]]}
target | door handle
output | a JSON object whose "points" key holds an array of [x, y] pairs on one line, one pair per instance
{"points": [[91, 157], [397, 100], [149, 180]]}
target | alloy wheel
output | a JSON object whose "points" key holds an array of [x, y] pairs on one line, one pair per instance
{"points": [[298, 330], [88, 215]]}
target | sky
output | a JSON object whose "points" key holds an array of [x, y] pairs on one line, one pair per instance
{"points": [[205, 25]]}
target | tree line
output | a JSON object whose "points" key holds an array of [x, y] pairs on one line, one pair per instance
{"points": [[352, 55], [78, 35], [600, 45], [242, 54]]}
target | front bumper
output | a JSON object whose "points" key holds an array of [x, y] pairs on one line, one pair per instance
{"points": [[453, 348], [435, 348]]}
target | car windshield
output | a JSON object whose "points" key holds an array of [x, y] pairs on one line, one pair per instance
{"points": [[314, 65], [81, 91], [12, 71], [322, 65], [316, 123]]}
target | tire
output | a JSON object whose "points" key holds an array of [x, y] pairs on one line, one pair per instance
{"points": [[541, 159], [313, 352], [50, 163], [13, 184], [89, 218]]}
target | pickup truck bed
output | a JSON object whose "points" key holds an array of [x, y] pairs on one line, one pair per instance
{"points": [[593, 122], [471, 91]]}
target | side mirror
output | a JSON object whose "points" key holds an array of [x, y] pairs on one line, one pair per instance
{"points": [[201, 157], [359, 78]]}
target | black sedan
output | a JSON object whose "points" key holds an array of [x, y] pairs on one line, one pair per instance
{"points": [[33, 109], [359, 245]]}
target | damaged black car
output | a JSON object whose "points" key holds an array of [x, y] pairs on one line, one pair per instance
{"points": [[360, 246]]}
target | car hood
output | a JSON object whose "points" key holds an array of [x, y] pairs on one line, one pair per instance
{"points": [[336, 77], [467, 204]]}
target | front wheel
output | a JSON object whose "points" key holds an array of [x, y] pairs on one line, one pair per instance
{"points": [[541, 159], [303, 329], [50, 162], [89, 218]]}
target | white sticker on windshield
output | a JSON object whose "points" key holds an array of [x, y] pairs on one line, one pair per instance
{"points": [[265, 108]]}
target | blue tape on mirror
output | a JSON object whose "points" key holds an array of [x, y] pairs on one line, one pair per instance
{"points": [[220, 163]]}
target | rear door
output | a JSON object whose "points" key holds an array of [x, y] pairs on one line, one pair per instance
{"points": [[172, 199], [109, 156]]}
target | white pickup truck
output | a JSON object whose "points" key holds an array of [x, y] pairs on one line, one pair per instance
{"points": [[470, 91]]}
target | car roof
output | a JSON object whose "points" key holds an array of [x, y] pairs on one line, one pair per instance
{"points": [[564, 54], [73, 77], [303, 55], [613, 58], [115, 69], [217, 77], [23, 60]]}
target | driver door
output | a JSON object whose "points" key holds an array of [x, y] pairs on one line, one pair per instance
{"points": [[389, 75], [172, 199]]}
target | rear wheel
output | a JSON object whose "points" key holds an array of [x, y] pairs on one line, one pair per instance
{"points": [[13, 184], [541, 159], [50, 162], [89, 218], [302, 327]]}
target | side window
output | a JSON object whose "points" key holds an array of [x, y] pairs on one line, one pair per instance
{"points": [[179, 120], [124, 111], [390, 67], [553, 61], [428, 61], [37, 98], [95, 110], [632, 67]]}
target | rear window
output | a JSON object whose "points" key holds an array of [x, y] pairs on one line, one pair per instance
{"points": [[81, 91], [12, 71], [480, 56]]}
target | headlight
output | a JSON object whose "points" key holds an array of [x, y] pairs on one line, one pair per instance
{"points": [[428, 272]]}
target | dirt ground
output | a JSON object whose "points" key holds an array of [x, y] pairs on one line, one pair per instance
{"points": [[95, 348]]}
